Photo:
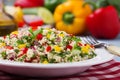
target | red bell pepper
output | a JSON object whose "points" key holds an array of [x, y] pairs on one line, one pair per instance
{"points": [[104, 23], [29, 3]]}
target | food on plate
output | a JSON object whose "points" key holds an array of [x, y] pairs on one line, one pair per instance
{"points": [[44, 45]]}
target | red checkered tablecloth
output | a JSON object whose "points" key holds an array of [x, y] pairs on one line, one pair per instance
{"points": [[106, 71]]}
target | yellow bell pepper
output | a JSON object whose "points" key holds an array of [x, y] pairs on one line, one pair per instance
{"points": [[70, 16]]}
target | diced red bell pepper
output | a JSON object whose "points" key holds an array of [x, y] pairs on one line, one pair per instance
{"points": [[80, 44], [69, 47], [48, 49], [39, 36], [9, 47]]}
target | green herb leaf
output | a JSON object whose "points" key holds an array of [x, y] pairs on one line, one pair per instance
{"points": [[38, 31], [4, 54]]}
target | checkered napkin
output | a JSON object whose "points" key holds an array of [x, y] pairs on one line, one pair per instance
{"points": [[106, 71]]}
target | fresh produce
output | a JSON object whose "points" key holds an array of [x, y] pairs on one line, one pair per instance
{"points": [[51, 4], [42, 12], [70, 16], [17, 13], [29, 3], [33, 21], [115, 3], [104, 23]]}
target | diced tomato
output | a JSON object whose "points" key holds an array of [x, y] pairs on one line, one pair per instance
{"points": [[85, 44], [11, 58], [9, 47], [13, 36], [4, 37], [80, 44], [24, 51], [48, 49], [39, 36], [69, 47]]}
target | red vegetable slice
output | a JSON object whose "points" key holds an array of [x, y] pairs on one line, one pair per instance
{"points": [[69, 47], [48, 49], [9, 47], [24, 51], [39, 36]]}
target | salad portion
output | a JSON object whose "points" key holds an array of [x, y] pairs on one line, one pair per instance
{"points": [[44, 45]]}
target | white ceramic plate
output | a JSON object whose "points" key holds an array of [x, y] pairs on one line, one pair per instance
{"points": [[54, 70]]}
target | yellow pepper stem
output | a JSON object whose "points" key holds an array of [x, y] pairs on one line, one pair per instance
{"points": [[68, 18]]}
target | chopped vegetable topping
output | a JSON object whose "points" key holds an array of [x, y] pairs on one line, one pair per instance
{"points": [[45, 46]]}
